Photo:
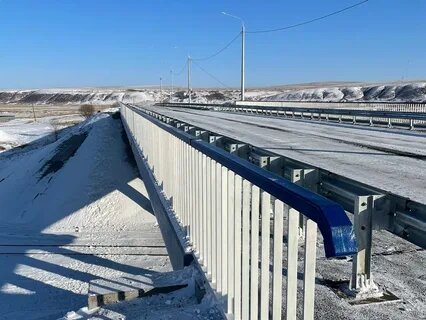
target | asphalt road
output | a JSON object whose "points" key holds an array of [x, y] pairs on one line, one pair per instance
{"points": [[390, 159]]}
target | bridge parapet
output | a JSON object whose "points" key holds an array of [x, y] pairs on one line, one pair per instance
{"points": [[242, 221]]}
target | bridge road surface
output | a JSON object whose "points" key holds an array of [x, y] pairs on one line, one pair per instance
{"points": [[389, 159]]}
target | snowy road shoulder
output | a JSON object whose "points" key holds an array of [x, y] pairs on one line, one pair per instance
{"points": [[88, 218]]}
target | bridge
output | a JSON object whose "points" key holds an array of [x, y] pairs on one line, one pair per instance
{"points": [[236, 196]]}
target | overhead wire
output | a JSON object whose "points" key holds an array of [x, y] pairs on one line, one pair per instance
{"points": [[182, 70], [211, 76], [310, 21], [219, 51], [261, 31]]}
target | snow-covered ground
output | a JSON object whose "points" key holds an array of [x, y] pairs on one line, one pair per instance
{"points": [[20, 131], [412, 92], [73, 209], [397, 92]]}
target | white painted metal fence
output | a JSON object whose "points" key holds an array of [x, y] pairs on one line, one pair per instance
{"points": [[244, 236]]}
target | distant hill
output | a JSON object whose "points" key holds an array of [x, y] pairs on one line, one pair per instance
{"points": [[399, 91]]}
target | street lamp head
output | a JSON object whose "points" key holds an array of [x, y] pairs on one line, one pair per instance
{"points": [[232, 16]]}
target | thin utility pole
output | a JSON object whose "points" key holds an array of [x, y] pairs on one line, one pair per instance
{"points": [[161, 89], [171, 85], [35, 119], [243, 58], [189, 79], [243, 53]]}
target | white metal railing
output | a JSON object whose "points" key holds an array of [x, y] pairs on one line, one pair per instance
{"points": [[379, 106], [236, 216], [409, 115]]}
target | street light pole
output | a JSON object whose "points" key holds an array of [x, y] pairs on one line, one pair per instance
{"points": [[243, 54], [243, 58], [171, 85], [189, 79]]}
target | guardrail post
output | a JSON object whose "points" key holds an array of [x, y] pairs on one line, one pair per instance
{"points": [[309, 179], [362, 280]]}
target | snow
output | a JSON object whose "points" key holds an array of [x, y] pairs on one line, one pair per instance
{"points": [[180, 304], [89, 218], [20, 132], [412, 92], [396, 92], [74, 210]]}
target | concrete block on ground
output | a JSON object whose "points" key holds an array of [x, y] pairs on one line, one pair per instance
{"points": [[108, 291]]}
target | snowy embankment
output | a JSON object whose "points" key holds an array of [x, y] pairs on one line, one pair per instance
{"points": [[402, 92], [77, 96], [411, 92], [73, 209], [20, 132]]}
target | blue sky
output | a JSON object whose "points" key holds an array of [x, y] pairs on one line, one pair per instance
{"points": [[75, 43]]}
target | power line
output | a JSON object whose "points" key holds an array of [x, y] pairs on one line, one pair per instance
{"points": [[182, 70], [211, 76], [312, 20], [219, 51]]}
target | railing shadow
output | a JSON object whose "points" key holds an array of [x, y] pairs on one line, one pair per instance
{"points": [[47, 285]]}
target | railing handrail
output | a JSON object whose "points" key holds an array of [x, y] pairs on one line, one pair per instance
{"points": [[335, 226]]}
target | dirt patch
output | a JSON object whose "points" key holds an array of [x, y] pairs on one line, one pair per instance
{"points": [[216, 95], [130, 158], [63, 152]]}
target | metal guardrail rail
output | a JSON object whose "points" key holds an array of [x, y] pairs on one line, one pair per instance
{"points": [[227, 205], [390, 119], [373, 208], [364, 105]]}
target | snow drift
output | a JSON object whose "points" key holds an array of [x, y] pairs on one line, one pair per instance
{"points": [[395, 92], [412, 92]]}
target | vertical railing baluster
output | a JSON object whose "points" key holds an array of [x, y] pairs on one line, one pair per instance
{"points": [[277, 281], [203, 245], [213, 226], [309, 270], [219, 228], [265, 255], [254, 254], [231, 240], [199, 201], [208, 225], [237, 247], [194, 194], [224, 231], [245, 259], [293, 234]]}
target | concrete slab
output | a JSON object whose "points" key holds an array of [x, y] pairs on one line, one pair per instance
{"points": [[108, 291]]}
